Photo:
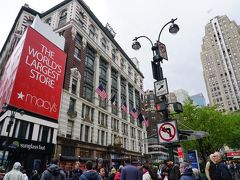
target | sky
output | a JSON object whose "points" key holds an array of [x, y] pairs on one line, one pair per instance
{"points": [[132, 18]]}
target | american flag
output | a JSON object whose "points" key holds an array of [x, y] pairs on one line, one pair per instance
{"points": [[124, 107], [113, 100], [146, 122], [101, 92], [134, 113], [140, 118]]}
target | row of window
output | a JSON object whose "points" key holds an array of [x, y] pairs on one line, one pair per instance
{"points": [[86, 135], [24, 130]]}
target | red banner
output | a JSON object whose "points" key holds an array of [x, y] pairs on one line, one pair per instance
{"points": [[38, 83], [180, 153], [10, 70], [232, 154]]}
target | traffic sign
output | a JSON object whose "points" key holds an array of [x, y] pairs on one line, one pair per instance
{"points": [[162, 50], [167, 132], [161, 87]]}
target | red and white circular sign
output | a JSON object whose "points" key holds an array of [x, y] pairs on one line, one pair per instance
{"points": [[167, 132]]}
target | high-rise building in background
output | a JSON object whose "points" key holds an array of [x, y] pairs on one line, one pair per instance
{"points": [[89, 124], [182, 95], [198, 99], [220, 58]]}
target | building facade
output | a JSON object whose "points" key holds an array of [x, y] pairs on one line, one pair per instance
{"points": [[182, 95], [198, 99], [156, 151], [221, 65], [89, 127]]}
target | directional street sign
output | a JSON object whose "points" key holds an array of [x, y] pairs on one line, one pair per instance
{"points": [[167, 132], [161, 87]]}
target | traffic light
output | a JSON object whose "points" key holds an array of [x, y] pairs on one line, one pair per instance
{"points": [[161, 106], [177, 106]]}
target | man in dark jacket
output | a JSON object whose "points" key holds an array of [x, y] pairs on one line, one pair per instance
{"points": [[218, 170], [53, 172], [171, 170], [76, 172], [89, 174], [130, 172]]}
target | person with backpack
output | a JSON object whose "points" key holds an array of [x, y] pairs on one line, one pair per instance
{"points": [[90, 174], [53, 172]]}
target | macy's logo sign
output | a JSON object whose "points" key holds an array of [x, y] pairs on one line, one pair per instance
{"points": [[39, 102]]}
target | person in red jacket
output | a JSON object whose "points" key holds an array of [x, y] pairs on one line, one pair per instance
{"points": [[118, 173]]}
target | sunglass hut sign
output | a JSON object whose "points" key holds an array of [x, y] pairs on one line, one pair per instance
{"points": [[26, 146]]}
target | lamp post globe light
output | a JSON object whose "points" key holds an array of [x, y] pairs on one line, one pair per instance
{"points": [[159, 53], [13, 112]]}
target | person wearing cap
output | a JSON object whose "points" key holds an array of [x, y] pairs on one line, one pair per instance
{"points": [[15, 173]]}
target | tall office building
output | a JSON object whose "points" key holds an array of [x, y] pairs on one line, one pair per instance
{"points": [[198, 99], [220, 58], [88, 126]]}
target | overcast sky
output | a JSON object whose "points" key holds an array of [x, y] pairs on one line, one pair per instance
{"points": [[131, 18]]}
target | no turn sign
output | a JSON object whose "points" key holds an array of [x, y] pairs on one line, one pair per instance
{"points": [[167, 132]]}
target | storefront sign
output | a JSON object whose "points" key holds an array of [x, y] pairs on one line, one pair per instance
{"points": [[26, 146], [39, 67]]}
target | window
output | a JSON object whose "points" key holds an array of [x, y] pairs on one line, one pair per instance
{"points": [[22, 129], [72, 104], [89, 62], [81, 132], [104, 44], [103, 73], [74, 86], [92, 31], [86, 133], [114, 55], [63, 18], [77, 53], [78, 40], [45, 131], [87, 92], [88, 77], [69, 129], [102, 138]]}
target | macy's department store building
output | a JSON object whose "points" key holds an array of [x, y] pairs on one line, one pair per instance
{"points": [[86, 128]]}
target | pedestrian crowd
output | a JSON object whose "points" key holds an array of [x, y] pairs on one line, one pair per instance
{"points": [[215, 169]]}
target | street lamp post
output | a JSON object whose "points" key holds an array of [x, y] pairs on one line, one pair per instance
{"points": [[159, 53], [9, 127]]}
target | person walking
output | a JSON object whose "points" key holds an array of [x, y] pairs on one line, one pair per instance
{"points": [[118, 173], [186, 171], [76, 172], [112, 174], [15, 173], [146, 173], [130, 172], [89, 174], [209, 163], [53, 172], [171, 170], [102, 172]]}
